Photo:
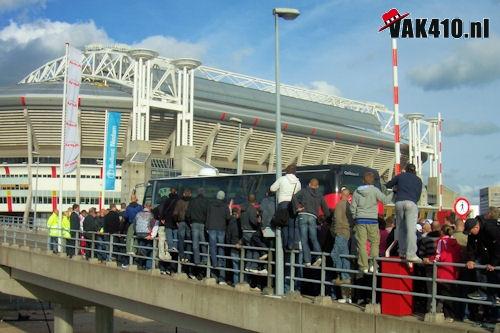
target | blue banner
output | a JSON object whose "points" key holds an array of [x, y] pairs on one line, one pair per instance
{"points": [[110, 146]]}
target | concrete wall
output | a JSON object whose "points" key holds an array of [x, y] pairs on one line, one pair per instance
{"points": [[195, 305]]}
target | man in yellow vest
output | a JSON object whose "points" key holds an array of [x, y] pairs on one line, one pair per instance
{"points": [[54, 232], [65, 229]]}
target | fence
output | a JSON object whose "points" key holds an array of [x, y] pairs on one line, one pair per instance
{"points": [[114, 247]]}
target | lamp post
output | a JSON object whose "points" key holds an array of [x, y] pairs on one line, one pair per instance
{"points": [[287, 14], [36, 187], [239, 169]]}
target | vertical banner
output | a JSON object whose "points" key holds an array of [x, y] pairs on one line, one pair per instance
{"points": [[71, 133], [110, 147]]}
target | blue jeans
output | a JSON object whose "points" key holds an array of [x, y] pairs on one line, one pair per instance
{"points": [[298, 271], [102, 247], [215, 237], [198, 234], [183, 233], [53, 244], [406, 221], [341, 247], [145, 250], [308, 232], [250, 254], [171, 235], [235, 255], [290, 233]]}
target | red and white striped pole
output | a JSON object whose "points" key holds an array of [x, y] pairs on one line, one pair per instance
{"points": [[440, 163], [397, 136]]}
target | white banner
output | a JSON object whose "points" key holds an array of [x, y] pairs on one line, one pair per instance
{"points": [[73, 81]]}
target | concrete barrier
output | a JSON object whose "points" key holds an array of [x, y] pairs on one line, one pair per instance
{"points": [[199, 306]]}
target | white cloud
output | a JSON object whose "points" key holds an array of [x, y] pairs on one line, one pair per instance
{"points": [[475, 63], [239, 56], [324, 88], [454, 127], [29, 45], [172, 48], [470, 192], [9, 5]]}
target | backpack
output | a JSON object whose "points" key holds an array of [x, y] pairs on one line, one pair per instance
{"points": [[142, 224]]}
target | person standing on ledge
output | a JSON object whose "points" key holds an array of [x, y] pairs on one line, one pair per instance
{"points": [[407, 188]]}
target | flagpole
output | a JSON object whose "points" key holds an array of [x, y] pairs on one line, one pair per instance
{"points": [[61, 164], [103, 178]]}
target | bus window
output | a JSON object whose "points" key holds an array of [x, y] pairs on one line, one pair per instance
{"points": [[163, 189], [148, 194], [324, 177]]}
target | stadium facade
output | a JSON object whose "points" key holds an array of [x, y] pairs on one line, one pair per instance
{"points": [[182, 117]]}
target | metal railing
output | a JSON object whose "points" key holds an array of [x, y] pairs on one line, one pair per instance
{"points": [[106, 247]]}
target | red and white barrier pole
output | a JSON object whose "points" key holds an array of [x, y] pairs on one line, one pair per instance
{"points": [[397, 136], [440, 163]]}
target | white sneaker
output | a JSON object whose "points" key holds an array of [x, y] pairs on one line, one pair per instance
{"points": [[263, 272], [365, 271], [255, 289], [124, 266], [307, 264], [263, 257], [345, 300], [222, 283], [414, 259], [251, 270], [317, 263]]}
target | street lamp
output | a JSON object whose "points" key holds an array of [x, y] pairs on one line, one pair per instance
{"points": [[287, 14], [36, 186], [239, 169]]}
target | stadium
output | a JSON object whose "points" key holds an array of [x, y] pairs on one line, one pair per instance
{"points": [[178, 117]]}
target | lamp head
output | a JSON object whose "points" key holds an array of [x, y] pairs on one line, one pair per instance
{"points": [[286, 13]]}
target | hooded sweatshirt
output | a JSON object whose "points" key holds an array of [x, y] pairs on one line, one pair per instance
{"points": [[312, 200], [285, 186], [364, 204], [218, 215]]}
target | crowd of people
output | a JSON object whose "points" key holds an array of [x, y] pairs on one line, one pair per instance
{"points": [[184, 223]]}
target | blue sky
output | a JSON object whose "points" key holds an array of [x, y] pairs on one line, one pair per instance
{"points": [[334, 46]]}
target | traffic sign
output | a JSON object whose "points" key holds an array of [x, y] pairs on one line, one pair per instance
{"points": [[461, 207]]}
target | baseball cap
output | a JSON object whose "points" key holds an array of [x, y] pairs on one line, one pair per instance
{"points": [[469, 224]]}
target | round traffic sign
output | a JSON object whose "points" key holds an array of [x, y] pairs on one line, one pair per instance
{"points": [[461, 207]]}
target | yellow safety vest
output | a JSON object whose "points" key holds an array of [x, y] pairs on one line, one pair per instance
{"points": [[52, 225], [66, 227]]}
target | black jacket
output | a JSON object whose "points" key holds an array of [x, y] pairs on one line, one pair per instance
{"points": [[233, 231], [485, 246], [311, 200], [112, 223], [427, 245], [74, 223], [249, 217], [90, 225], [197, 210], [166, 211], [407, 186], [218, 215]]}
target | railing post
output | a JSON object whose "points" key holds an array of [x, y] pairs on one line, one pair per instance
{"points": [[14, 236], [24, 239], [292, 271], [434, 288], [269, 268], [154, 253], [242, 264], [110, 252], [77, 243], [374, 280], [92, 249], [323, 273], [208, 261], [5, 235]]}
